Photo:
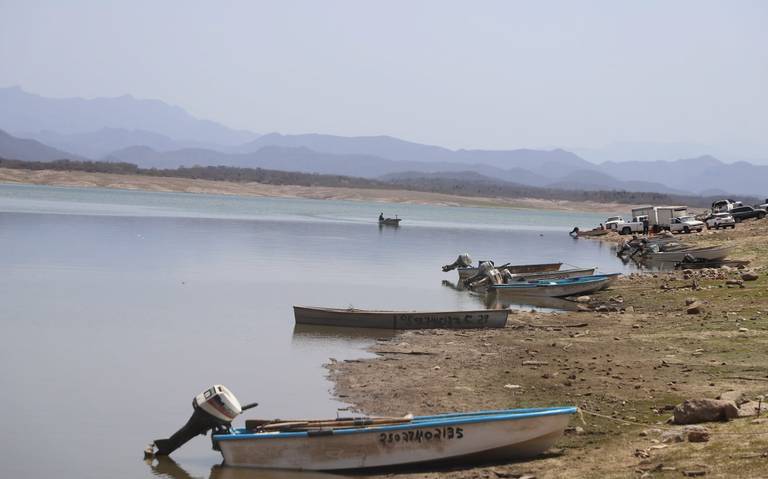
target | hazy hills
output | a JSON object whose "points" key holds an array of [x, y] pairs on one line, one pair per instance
{"points": [[153, 134], [30, 150], [27, 113]]}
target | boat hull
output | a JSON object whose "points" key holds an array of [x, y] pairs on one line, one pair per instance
{"points": [[557, 288], [390, 222], [465, 273], [357, 318], [495, 436], [711, 254], [560, 274]]}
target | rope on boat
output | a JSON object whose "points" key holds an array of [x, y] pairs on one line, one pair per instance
{"points": [[582, 411]]}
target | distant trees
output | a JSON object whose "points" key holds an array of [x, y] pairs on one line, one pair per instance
{"points": [[455, 186]]}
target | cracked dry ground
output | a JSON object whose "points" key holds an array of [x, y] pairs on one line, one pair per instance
{"points": [[626, 365]]}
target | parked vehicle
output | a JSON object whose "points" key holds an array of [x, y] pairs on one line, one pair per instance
{"points": [[660, 217], [685, 224], [634, 226], [764, 206], [746, 212], [724, 206], [720, 220], [614, 223]]}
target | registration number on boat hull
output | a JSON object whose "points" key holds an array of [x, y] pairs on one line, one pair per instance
{"points": [[419, 436]]}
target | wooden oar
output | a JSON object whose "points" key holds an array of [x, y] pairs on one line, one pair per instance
{"points": [[277, 425]]}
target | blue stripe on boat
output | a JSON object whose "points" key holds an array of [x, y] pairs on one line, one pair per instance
{"points": [[438, 420]]}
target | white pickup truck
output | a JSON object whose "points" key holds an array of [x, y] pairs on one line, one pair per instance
{"points": [[634, 226], [685, 224], [614, 223]]}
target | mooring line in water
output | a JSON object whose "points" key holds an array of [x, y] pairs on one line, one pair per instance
{"points": [[582, 411]]}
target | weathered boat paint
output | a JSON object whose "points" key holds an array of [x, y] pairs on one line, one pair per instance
{"points": [[484, 435], [359, 318], [560, 287]]}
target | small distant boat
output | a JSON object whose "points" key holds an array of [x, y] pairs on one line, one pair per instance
{"points": [[465, 273], [373, 443], [559, 288], [360, 318], [711, 253], [390, 222], [586, 234]]}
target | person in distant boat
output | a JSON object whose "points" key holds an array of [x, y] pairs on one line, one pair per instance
{"points": [[381, 216], [574, 231], [645, 226], [602, 227]]}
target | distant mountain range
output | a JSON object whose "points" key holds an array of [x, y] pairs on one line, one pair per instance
{"points": [[28, 114], [150, 133]]}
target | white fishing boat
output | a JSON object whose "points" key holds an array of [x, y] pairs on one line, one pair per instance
{"points": [[559, 274], [360, 318], [368, 442], [466, 437], [558, 288], [711, 253], [468, 272]]}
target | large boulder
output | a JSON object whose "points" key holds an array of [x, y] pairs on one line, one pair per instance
{"points": [[694, 411], [736, 396]]}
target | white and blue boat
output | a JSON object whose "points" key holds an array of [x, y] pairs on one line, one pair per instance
{"points": [[368, 443], [560, 287]]}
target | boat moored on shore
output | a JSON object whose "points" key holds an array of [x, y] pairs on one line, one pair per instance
{"points": [[360, 318], [466, 437]]}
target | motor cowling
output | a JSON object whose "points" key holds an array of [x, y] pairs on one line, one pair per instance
{"points": [[213, 409], [463, 261]]}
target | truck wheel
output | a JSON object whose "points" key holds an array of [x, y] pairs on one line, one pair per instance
{"points": [[686, 230], [761, 216], [626, 230]]}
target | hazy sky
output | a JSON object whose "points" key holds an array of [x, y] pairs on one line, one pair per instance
{"points": [[487, 74]]}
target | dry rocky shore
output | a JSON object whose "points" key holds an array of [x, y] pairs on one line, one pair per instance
{"points": [[82, 179], [629, 361]]}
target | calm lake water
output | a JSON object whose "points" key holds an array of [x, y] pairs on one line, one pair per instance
{"points": [[118, 307]]}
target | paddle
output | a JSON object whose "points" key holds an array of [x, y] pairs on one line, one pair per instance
{"points": [[281, 425]]}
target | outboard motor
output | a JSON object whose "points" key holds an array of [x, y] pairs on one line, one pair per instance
{"points": [[214, 409], [486, 272], [463, 261]]}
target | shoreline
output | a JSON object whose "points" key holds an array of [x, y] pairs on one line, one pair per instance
{"points": [[78, 179], [635, 354]]}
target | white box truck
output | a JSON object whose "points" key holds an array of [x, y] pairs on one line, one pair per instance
{"points": [[660, 217]]}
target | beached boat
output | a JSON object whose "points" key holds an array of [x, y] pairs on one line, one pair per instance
{"points": [[577, 233], [466, 437], [465, 273], [360, 318], [711, 253], [390, 222], [558, 288], [560, 274]]}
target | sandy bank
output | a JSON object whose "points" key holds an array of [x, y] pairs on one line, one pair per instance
{"points": [[183, 185], [630, 362]]}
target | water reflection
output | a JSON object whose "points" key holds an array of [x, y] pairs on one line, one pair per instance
{"points": [[507, 300], [308, 333], [501, 300], [166, 467]]}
